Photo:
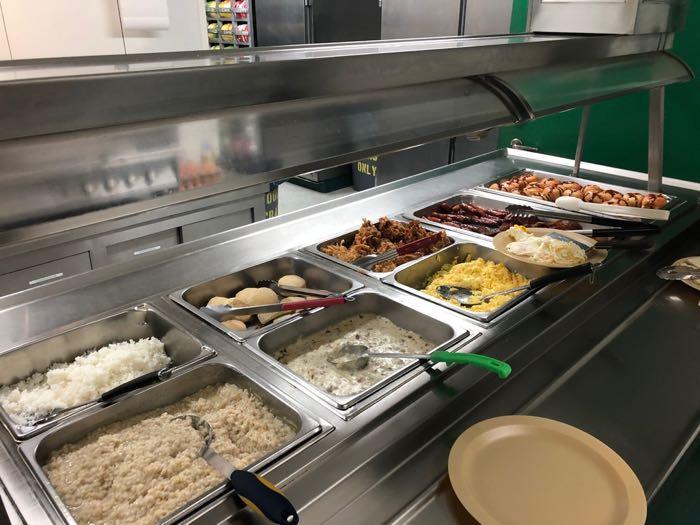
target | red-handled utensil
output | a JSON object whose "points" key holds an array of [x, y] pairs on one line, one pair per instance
{"points": [[367, 262], [217, 312]]}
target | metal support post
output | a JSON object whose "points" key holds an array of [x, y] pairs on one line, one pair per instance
{"points": [[583, 127], [656, 138]]}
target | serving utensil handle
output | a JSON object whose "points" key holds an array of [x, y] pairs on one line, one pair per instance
{"points": [[624, 232], [414, 246], [496, 366], [314, 303], [137, 382], [560, 275], [263, 497], [625, 244]]}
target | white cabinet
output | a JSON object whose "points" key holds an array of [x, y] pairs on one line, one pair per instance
{"points": [[62, 28], [187, 31], [4, 45]]}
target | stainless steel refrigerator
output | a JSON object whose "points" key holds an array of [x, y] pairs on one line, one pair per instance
{"points": [[282, 22]]}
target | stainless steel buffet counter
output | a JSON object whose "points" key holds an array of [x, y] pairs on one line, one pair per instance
{"points": [[592, 354]]}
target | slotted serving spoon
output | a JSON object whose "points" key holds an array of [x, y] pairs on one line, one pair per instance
{"points": [[255, 491], [356, 357], [468, 297]]}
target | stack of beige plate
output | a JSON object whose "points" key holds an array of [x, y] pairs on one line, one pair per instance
{"points": [[524, 470]]}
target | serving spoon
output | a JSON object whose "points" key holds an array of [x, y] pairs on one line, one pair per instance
{"points": [[356, 357], [255, 491]]}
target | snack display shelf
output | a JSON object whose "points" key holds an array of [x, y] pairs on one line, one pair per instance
{"points": [[230, 18]]}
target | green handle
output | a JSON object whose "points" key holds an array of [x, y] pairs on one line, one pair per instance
{"points": [[501, 368]]}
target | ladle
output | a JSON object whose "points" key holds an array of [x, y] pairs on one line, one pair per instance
{"points": [[256, 492], [356, 357]]}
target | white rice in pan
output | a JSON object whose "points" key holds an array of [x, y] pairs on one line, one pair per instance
{"points": [[64, 385]]}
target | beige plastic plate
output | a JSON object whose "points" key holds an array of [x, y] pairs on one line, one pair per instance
{"points": [[595, 256], [693, 262], [528, 470]]}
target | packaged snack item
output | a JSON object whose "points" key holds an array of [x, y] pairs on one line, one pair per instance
{"points": [[240, 10], [213, 31], [225, 9], [210, 8], [227, 32]]}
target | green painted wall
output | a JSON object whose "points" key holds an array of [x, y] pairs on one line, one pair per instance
{"points": [[617, 133]]}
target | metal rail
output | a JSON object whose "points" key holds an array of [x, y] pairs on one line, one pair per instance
{"points": [[83, 93]]}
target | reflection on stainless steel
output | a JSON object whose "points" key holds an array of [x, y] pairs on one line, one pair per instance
{"points": [[49, 178], [140, 322], [126, 90], [382, 464], [37, 450], [415, 19], [249, 146], [555, 88], [635, 346]]}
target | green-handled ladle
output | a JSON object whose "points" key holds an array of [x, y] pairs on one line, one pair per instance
{"points": [[356, 357]]}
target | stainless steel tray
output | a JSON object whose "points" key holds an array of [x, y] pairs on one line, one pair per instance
{"points": [[672, 200], [318, 277], [348, 238], [135, 323], [479, 199], [37, 450], [414, 276], [444, 333]]}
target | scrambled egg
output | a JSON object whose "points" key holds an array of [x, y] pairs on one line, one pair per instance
{"points": [[482, 277]]}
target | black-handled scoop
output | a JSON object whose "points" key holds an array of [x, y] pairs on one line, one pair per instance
{"points": [[110, 395], [468, 297], [255, 491]]}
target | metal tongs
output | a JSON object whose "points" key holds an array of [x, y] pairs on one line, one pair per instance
{"points": [[218, 312], [367, 262], [467, 297], [521, 211], [292, 291], [255, 491]]}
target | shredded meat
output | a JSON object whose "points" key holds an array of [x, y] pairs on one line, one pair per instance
{"points": [[381, 237]]}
